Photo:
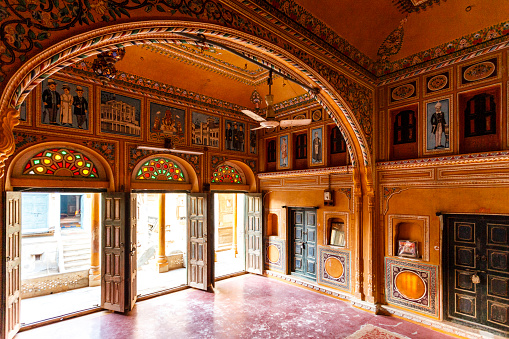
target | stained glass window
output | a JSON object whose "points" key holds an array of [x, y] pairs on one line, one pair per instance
{"points": [[61, 162], [161, 169], [226, 174]]}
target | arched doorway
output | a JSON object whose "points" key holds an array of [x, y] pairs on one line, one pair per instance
{"points": [[160, 184], [54, 255]]}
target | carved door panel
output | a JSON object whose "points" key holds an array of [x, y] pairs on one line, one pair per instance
{"points": [[298, 258], [310, 247], [303, 224], [12, 272], [197, 266], [132, 256], [476, 271], [113, 258], [254, 234]]}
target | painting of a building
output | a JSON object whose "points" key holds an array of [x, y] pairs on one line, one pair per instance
{"points": [[205, 130], [119, 116]]}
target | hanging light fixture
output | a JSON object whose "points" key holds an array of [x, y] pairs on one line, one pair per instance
{"points": [[104, 64]]}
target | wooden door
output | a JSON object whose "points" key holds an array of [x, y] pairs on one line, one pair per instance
{"points": [[132, 257], [12, 272], [254, 234], [113, 258], [476, 271], [303, 231], [298, 242], [197, 263], [310, 243]]}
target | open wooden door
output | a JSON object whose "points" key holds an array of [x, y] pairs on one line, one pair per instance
{"points": [[113, 258], [254, 233], [12, 272], [132, 276], [197, 259]]}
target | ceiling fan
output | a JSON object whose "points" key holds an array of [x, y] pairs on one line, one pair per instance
{"points": [[270, 120], [168, 147]]}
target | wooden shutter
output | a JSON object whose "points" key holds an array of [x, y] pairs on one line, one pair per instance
{"points": [[254, 234], [197, 263], [132, 272], [113, 283], [12, 273]]}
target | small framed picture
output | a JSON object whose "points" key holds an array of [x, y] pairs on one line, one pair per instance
{"points": [[407, 248]]}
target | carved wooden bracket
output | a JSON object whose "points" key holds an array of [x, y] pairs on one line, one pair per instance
{"points": [[7, 145]]}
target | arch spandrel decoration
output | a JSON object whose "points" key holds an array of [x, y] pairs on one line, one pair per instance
{"points": [[61, 162], [228, 173], [161, 169]]}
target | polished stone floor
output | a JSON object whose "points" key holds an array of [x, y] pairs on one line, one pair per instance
{"points": [[246, 306]]}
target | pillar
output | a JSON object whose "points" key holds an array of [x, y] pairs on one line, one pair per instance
{"points": [[235, 224], [358, 290], [94, 274], [162, 262]]}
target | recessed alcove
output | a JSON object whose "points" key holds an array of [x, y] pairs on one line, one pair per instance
{"points": [[411, 228], [272, 225], [336, 229]]}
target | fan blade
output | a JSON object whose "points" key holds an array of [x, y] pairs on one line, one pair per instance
{"points": [[184, 151], [252, 115], [254, 129], [296, 122]]}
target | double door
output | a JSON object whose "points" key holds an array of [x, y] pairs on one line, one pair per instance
{"points": [[303, 235], [476, 271]]}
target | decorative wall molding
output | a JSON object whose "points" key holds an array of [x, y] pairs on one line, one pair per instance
{"points": [[334, 268], [445, 160], [424, 275], [273, 246], [388, 192]]}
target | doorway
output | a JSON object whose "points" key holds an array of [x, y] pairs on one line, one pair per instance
{"points": [[476, 271], [229, 234], [60, 266], [161, 241], [303, 240]]}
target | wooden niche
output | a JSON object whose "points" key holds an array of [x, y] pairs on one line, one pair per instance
{"points": [[409, 237], [272, 225]]}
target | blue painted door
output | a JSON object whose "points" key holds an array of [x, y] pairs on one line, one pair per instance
{"points": [[303, 233]]}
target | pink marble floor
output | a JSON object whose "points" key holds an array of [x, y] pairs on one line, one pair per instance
{"points": [[246, 306]]}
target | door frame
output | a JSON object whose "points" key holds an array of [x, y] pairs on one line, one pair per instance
{"points": [[212, 231], [445, 264]]}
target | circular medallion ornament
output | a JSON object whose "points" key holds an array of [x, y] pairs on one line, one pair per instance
{"points": [[273, 254], [403, 92], [479, 71], [410, 285], [334, 267], [438, 82]]}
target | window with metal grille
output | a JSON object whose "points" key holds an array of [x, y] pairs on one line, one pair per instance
{"points": [[480, 115]]}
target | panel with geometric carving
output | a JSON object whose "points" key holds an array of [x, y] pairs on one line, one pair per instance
{"points": [[464, 281], [498, 313], [465, 305]]}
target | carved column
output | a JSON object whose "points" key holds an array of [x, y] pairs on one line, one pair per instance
{"points": [[357, 208], [162, 262], [94, 274], [371, 270], [235, 224]]}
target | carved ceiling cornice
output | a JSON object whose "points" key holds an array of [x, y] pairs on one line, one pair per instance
{"points": [[203, 59], [410, 6]]}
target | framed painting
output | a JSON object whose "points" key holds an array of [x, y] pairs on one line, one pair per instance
{"points": [[480, 71], [436, 83], [65, 104], [404, 92], [439, 125], [316, 154], [167, 122], [317, 114], [205, 130], [124, 125], [235, 135], [283, 161], [253, 140], [25, 111]]}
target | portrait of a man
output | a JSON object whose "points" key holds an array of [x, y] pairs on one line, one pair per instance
{"points": [[316, 146], [437, 116]]}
